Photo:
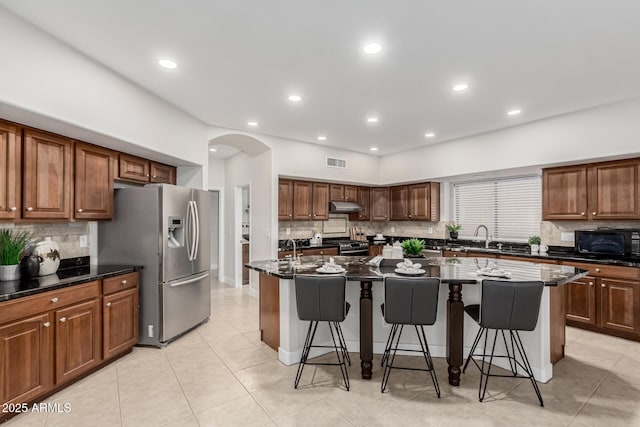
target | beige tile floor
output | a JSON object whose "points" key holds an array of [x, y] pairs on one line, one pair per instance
{"points": [[222, 375]]}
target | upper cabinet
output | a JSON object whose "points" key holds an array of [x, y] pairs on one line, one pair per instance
{"points": [[10, 171], [416, 202], [141, 170], [302, 200], [379, 204], [344, 193], [364, 199], [399, 203], [285, 199], [608, 190], [48, 171], [320, 207], [93, 182]]}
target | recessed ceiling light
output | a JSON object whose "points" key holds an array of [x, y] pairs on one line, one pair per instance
{"points": [[372, 120], [429, 135], [322, 138], [213, 149], [514, 112], [295, 98], [372, 48], [460, 87], [373, 148], [253, 124], [168, 63]]}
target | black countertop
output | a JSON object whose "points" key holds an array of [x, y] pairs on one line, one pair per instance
{"points": [[458, 270], [61, 279]]}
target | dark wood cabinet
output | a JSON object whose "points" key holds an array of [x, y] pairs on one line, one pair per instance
{"points": [[93, 182], [161, 174], [581, 300], [48, 171], [26, 349], [320, 203], [302, 200], [364, 199], [285, 199], [598, 191], [120, 322], [309, 252], [78, 339], [399, 203], [10, 171], [137, 169], [614, 190], [375, 250], [379, 204], [607, 300], [344, 193]]}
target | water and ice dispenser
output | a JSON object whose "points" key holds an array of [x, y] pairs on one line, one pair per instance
{"points": [[176, 232]]}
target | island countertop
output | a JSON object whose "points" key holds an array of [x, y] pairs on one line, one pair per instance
{"points": [[458, 270]]}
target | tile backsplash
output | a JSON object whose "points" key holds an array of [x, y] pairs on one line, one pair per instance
{"points": [[551, 231], [66, 234]]}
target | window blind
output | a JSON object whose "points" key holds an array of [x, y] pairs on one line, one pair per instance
{"points": [[509, 207]]}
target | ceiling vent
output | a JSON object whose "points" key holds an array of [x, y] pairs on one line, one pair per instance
{"points": [[336, 163]]}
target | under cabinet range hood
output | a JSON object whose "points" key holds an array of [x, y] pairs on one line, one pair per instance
{"points": [[344, 207]]}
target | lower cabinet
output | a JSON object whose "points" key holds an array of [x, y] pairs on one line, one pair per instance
{"points": [[51, 338], [26, 348], [620, 306], [581, 301], [270, 310]]}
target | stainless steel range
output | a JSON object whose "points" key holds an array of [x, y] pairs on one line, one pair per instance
{"points": [[353, 247]]}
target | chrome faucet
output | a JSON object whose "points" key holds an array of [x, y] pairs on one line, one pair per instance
{"points": [[486, 238], [293, 257]]}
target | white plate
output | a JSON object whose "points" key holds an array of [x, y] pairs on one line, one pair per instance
{"points": [[409, 273], [494, 274], [322, 270]]}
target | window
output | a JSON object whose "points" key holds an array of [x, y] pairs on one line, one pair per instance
{"points": [[509, 207]]}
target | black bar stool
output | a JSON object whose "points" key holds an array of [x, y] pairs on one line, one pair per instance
{"points": [[505, 306], [322, 299], [409, 301]]}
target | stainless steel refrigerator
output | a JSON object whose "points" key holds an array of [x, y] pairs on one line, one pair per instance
{"points": [[164, 228]]}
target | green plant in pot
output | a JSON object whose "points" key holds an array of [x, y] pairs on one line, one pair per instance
{"points": [[534, 242], [413, 247], [12, 243], [453, 229]]}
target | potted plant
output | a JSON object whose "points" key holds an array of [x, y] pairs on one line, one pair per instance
{"points": [[12, 243], [534, 242], [413, 247], [453, 230]]}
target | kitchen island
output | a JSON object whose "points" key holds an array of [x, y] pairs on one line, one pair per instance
{"points": [[452, 334]]}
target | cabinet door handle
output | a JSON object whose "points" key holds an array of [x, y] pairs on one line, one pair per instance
{"points": [[55, 299], [590, 283], [46, 324], [63, 319], [597, 270], [108, 304], [582, 213], [593, 213], [80, 210], [29, 209], [124, 282], [147, 175], [290, 215], [603, 285], [13, 209], [154, 176]]}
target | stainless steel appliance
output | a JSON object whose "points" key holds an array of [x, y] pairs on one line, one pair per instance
{"points": [[608, 242], [353, 247], [165, 228]]}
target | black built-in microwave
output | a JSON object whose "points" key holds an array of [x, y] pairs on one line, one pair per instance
{"points": [[608, 242]]}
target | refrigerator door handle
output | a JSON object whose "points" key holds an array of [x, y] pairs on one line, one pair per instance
{"points": [[197, 223], [186, 282], [194, 230], [188, 231]]}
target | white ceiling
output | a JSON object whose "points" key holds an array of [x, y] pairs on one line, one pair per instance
{"points": [[239, 60]]}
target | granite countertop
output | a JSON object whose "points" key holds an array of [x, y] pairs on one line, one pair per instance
{"points": [[299, 248], [458, 270], [61, 279]]}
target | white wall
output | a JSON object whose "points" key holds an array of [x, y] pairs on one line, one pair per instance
{"points": [[216, 173], [603, 132], [215, 228], [44, 83]]}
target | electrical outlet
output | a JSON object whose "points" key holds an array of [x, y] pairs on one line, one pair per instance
{"points": [[430, 230], [287, 231], [84, 243], [566, 237], [393, 229]]}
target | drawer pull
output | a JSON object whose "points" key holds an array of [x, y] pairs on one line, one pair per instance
{"points": [[124, 282], [593, 213], [597, 270], [108, 304], [63, 319], [582, 213], [29, 209], [46, 324], [55, 299], [80, 210], [13, 209]]}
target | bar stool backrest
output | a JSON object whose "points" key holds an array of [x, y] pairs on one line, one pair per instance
{"points": [[320, 298], [510, 305], [411, 301]]}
